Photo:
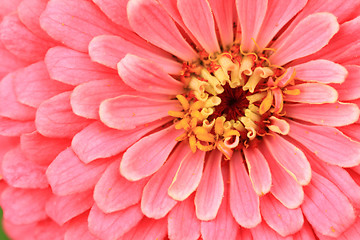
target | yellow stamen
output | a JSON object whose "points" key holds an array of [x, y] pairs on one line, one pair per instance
{"points": [[231, 133], [182, 137], [219, 125], [203, 147], [224, 149], [176, 114], [197, 105], [183, 101], [192, 143], [256, 97], [292, 92], [183, 124], [266, 103]]}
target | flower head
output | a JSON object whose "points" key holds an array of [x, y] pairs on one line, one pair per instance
{"points": [[180, 119]]}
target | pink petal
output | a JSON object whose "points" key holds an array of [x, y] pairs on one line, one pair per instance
{"points": [[78, 229], [204, 27], [223, 13], [328, 143], [315, 93], [54, 117], [38, 86], [113, 192], [182, 221], [188, 176], [283, 220], [350, 89], [86, 98], [20, 41], [328, 114], [320, 27], [19, 172], [9, 127], [351, 233], [9, 61], [113, 225], [264, 232], [72, 67], [68, 175], [352, 131], [29, 12], [9, 105], [291, 158], [8, 7], [48, 229], [109, 50], [156, 202], [244, 202], [251, 15], [115, 10], [284, 188], [128, 112], [259, 171], [321, 71], [75, 23], [98, 141], [42, 150], [306, 233], [326, 208], [147, 76], [224, 225], [277, 15], [24, 206], [210, 191], [7, 144], [61, 209], [144, 158], [152, 23], [147, 229]]}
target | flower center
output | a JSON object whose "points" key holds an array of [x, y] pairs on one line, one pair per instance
{"points": [[233, 98]]}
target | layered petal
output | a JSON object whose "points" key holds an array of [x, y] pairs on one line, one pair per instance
{"points": [[115, 10], [313, 93], [78, 229], [264, 232], [350, 89], [147, 229]]}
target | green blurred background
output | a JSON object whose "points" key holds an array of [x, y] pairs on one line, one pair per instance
{"points": [[2, 234]]}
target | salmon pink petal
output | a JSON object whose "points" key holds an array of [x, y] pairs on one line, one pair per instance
{"points": [[24, 206], [316, 29], [54, 117], [291, 158], [78, 229], [42, 150], [147, 229], [68, 175], [109, 50], [98, 141], [188, 176], [284, 188], [244, 202], [314, 93], [223, 13], [251, 15], [29, 12], [9, 127], [151, 22], [144, 157], [8, 7], [350, 89], [20, 41], [113, 225], [73, 67], [128, 112], [305, 233], [321, 71], [38, 86], [277, 15], [264, 232], [353, 131], [335, 213], [147, 76], [210, 191], [75, 23], [155, 201], [259, 170], [283, 220], [9, 61], [113, 192], [86, 98], [61, 209], [19, 172], [328, 143], [328, 114], [182, 221], [115, 10], [204, 27], [351, 233], [224, 225], [9, 105]]}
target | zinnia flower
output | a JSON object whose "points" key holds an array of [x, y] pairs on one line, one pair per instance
{"points": [[180, 119]]}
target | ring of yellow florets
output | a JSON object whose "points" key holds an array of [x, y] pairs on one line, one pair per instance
{"points": [[231, 100]]}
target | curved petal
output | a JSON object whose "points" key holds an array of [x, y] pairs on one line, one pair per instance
{"points": [[353, 131], [350, 89], [147, 229], [151, 22], [316, 29], [115, 10], [264, 232], [78, 229], [314, 93], [147, 76]]}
